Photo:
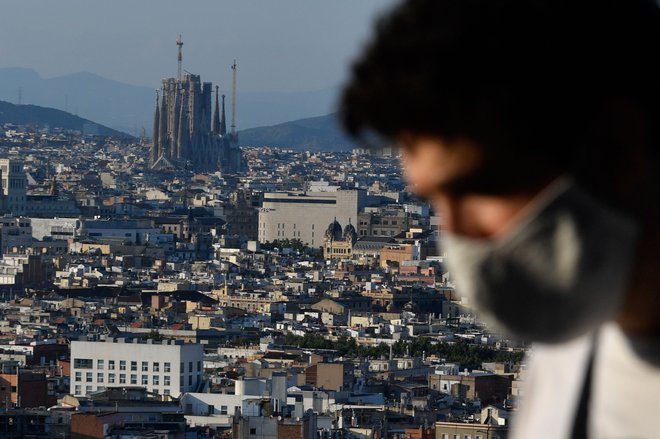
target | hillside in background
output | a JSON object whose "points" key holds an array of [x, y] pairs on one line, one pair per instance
{"points": [[41, 116], [128, 108], [314, 134]]}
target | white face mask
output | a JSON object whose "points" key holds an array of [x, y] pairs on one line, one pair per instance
{"points": [[560, 272]]}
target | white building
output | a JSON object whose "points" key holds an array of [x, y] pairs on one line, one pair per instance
{"points": [[168, 367], [135, 230], [56, 228], [306, 215]]}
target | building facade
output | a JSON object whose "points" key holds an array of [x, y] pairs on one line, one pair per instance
{"points": [[14, 186], [338, 244], [167, 367], [305, 215]]}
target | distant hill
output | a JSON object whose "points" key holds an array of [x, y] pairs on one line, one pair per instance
{"points": [[314, 134], [42, 116], [128, 108]]}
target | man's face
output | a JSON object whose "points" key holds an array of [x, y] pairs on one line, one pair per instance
{"points": [[437, 169]]}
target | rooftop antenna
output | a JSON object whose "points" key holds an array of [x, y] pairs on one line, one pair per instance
{"points": [[233, 100], [179, 58]]}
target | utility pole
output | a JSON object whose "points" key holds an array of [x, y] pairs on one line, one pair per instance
{"points": [[179, 58]]}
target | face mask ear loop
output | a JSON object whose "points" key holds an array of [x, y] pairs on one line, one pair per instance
{"points": [[539, 202]]}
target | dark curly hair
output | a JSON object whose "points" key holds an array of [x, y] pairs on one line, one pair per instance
{"points": [[532, 81]]}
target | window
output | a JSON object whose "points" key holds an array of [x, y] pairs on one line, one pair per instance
{"points": [[190, 366], [100, 364], [78, 376], [83, 363], [145, 366], [145, 380], [111, 378], [156, 367], [99, 377], [133, 379], [122, 378], [166, 392], [77, 391], [253, 431], [88, 377], [199, 366], [111, 364], [122, 365], [88, 389], [167, 366], [190, 380], [156, 380], [166, 380], [223, 410]]}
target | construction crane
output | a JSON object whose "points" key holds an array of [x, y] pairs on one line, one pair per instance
{"points": [[233, 100], [179, 43]]}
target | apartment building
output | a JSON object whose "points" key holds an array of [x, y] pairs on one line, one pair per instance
{"points": [[169, 367]]}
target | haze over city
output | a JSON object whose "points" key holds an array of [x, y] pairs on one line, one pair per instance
{"points": [[282, 46]]}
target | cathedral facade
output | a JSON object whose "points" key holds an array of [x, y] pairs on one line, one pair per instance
{"points": [[187, 133]]}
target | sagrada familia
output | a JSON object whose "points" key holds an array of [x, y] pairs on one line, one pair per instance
{"points": [[186, 134]]}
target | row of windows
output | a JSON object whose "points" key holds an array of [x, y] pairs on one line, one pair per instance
{"points": [[281, 226], [294, 234], [16, 184], [133, 379], [86, 363]]}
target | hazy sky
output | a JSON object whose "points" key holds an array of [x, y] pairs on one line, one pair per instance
{"points": [[280, 45]]}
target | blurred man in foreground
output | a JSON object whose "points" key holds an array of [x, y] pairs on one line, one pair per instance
{"points": [[533, 128]]}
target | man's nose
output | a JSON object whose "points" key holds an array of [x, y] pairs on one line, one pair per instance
{"points": [[480, 216]]}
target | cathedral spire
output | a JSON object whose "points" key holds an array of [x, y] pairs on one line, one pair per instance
{"points": [[155, 152], [223, 122], [162, 128], [184, 129], [216, 114]]}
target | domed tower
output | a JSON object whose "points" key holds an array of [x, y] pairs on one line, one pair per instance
{"points": [[350, 234], [338, 243], [333, 232]]}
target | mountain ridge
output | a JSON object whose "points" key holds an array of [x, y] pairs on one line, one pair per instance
{"points": [[41, 116], [320, 133]]}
